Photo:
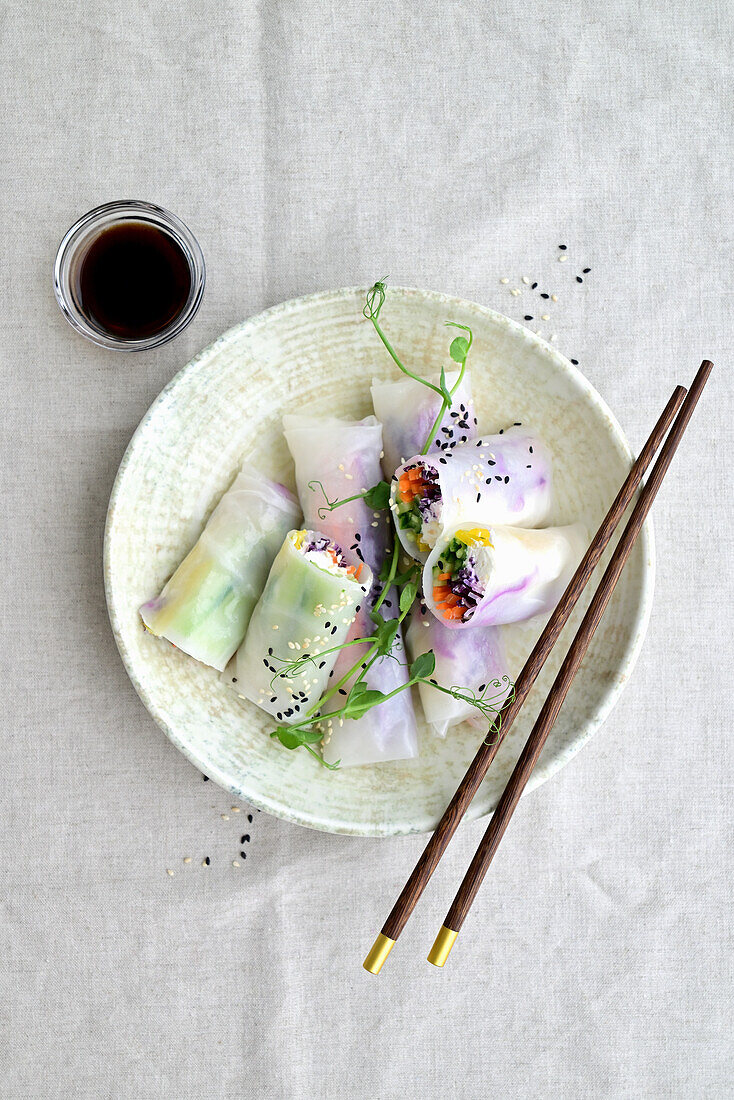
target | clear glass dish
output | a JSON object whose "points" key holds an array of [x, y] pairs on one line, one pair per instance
{"points": [[74, 246]]}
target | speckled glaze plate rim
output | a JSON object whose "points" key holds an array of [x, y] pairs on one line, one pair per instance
{"points": [[638, 626]]}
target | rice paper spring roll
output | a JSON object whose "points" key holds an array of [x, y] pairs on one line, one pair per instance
{"points": [[500, 479], [408, 410], [471, 660], [310, 600], [344, 457], [486, 576], [205, 607]]}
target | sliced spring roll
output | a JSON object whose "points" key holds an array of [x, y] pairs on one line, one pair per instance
{"points": [[344, 457], [486, 576], [408, 410], [500, 479], [340, 458], [205, 607], [471, 660], [310, 600]]}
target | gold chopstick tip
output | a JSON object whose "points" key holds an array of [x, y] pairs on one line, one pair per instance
{"points": [[379, 951], [443, 943]]}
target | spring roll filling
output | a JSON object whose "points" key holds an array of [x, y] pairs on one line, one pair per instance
{"points": [[461, 575], [419, 504]]}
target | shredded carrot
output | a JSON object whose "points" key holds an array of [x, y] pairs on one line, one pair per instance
{"points": [[454, 613], [452, 600], [444, 577]]}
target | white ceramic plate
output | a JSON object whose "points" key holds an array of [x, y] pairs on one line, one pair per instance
{"points": [[319, 353]]}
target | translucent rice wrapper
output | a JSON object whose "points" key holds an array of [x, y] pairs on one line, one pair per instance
{"points": [[511, 574], [205, 607], [497, 479], [471, 660], [407, 411], [344, 456], [306, 608]]}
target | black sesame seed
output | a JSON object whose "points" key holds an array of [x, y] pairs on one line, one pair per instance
{"points": [[575, 362], [249, 818], [206, 778], [501, 431], [342, 691], [533, 286], [579, 279], [475, 421], [464, 439], [442, 461], [482, 687], [245, 839], [244, 855], [528, 316], [587, 270], [270, 651], [497, 477], [274, 699], [207, 861], [322, 664], [517, 424], [528, 467], [563, 247], [545, 296], [279, 716], [530, 449], [333, 630], [327, 625], [488, 481], [357, 538], [479, 497], [507, 479], [491, 462], [234, 679]]}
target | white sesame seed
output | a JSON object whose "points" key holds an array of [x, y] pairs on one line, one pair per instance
{"points": [[204, 863], [426, 622], [187, 859], [340, 466], [169, 872], [525, 279], [545, 316], [554, 297], [515, 293], [275, 626], [382, 454], [504, 281], [374, 523], [554, 336], [225, 817], [562, 259], [349, 477], [291, 645], [235, 863]]}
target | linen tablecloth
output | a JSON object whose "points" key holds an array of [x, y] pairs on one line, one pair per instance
{"points": [[311, 145]]}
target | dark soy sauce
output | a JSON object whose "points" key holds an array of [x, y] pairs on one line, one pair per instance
{"points": [[133, 280]]}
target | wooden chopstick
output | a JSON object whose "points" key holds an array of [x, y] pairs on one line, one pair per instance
{"points": [[487, 751], [549, 712]]}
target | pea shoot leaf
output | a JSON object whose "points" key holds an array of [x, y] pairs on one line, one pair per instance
{"points": [[423, 666], [378, 496], [459, 349], [355, 708], [408, 595]]}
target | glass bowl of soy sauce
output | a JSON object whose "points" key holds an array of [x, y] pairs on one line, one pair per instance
{"points": [[129, 275]]}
